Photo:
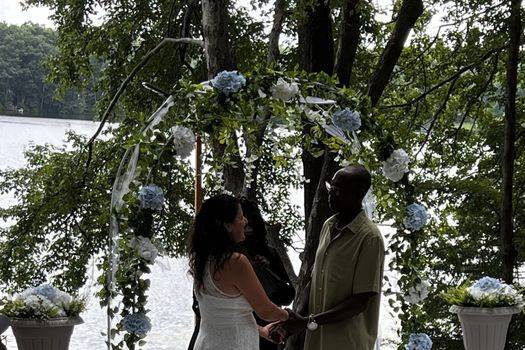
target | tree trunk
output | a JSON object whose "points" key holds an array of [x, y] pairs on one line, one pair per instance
{"points": [[507, 229], [277, 27], [275, 241], [348, 42], [219, 57], [316, 54], [217, 46], [410, 11]]}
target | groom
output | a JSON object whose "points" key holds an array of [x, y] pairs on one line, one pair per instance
{"points": [[346, 279]]}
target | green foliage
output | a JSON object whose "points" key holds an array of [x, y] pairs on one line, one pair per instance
{"points": [[24, 51]]}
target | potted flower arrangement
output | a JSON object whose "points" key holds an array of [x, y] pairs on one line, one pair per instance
{"points": [[485, 309], [42, 318]]}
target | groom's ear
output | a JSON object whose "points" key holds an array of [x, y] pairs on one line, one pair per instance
{"points": [[228, 227]]}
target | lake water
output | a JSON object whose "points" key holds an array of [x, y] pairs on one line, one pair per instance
{"points": [[170, 292]]}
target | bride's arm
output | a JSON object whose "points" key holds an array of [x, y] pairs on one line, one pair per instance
{"points": [[246, 281]]}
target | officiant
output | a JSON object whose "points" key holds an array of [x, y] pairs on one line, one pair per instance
{"points": [[266, 262]]}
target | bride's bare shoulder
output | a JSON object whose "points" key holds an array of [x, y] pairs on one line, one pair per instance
{"points": [[238, 261]]}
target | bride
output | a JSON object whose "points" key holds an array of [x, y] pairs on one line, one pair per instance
{"points": [[225, 283]]}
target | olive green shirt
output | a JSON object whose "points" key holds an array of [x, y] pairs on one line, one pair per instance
{"points": [[350, 263]]}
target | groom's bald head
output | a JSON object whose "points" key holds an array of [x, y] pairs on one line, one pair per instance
{"points": [[348, 187]]}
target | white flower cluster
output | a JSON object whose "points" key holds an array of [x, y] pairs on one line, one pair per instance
{"points": [[318, 117], [183, 140], [395, 167], [284, 91], [45, 301], [249, 167], [488, 289], [144, 248], [418, 292]]}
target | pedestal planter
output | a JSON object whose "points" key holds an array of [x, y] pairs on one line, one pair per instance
{"points": [[484, 328], [53, 334]]}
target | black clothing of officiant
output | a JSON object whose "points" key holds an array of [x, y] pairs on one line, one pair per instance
{"points": [[267, 264]]}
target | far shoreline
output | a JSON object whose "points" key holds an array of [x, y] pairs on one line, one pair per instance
{"points": [[72, 117]]}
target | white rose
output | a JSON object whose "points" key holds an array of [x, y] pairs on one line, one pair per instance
{"points": [[284, 91]]}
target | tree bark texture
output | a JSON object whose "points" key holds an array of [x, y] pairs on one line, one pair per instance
{"points": [[217, 46], [316, 54], [410, 11], [277, 27], [348, 42], [219, 57], [509, 148]]}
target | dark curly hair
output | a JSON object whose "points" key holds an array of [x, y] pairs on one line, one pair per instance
{"points": [[209, 239], [256, 243]]}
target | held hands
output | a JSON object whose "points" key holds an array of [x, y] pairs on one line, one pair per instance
{"points": [[280, 331]]}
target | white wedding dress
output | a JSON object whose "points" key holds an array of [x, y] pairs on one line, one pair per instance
{"points": [[227, 322]]}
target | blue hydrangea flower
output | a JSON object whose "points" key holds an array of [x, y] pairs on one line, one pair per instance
{"points": [[47, 291], [487, 284], [416, 217], [151, 197], [137, 323], [347, 119], [419, 341], [228, 82]]}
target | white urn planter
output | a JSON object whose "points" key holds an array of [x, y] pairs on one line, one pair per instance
{"points": [[52, 334], [484, 328]]}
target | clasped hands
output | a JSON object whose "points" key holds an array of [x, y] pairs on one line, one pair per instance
{"points": [[280, 331]]}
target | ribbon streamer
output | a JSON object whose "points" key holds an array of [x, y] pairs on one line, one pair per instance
{"points": [[120, 189]]}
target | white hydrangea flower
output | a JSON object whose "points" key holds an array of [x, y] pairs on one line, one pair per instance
{"points": [[183, 140], [284, 91], [144, 248], [418, 292], [40, 304], [488, 288], [395, 167], [63, 300]]}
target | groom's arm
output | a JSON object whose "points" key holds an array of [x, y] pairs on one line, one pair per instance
{"points": [[367, 284], [352, 306]]}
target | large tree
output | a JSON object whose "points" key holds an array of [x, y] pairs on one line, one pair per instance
{"points": [[438, 96]]}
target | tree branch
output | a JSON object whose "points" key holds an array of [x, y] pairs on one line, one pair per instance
{"points": [[348, 42], [125, 83], [278, 20], [437, 114], [478, 95], [449, 79], [410, 11], [462, 20], [185, 30]]}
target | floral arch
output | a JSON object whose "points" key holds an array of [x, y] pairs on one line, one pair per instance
{"points": [[265, 110]]}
